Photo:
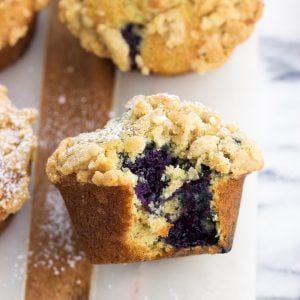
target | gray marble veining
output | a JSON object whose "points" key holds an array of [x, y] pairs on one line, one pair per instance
{"points": [[281, 67], [278, 265]]}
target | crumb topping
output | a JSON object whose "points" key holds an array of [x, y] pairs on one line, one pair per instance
{"points": [[15, 17], [170, 26], [200, 33], [191, 130], [17, 147]]}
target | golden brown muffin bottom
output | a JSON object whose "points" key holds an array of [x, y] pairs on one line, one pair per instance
{"points": [[10, 54], [102, 215]]}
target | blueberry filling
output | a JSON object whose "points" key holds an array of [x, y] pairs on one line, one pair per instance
{"points": [[132, 36], [195, 225], [150, 168]]}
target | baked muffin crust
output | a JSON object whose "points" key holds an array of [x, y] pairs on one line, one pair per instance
{"points": [[194, 131], [16, 152], [166, 36]]}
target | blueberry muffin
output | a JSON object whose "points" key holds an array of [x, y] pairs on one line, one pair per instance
{"points": [[17, 22], [16, 151], [162, 36], [163, 180]]}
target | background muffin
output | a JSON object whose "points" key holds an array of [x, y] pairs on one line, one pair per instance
{"points": [[18, 144], [17, 22], [162, 36]]}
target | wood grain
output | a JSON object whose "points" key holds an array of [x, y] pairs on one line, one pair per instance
{"points": [[76, 96]]}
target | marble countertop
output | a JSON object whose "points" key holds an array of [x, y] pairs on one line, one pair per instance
{"points": [[278, 248]]}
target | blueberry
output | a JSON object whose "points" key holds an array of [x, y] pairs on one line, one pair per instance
{"points": [[195, 225], [149, 168], [131, 34]]}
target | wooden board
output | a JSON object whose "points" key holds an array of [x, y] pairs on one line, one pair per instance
{"points": [[76, 96]]}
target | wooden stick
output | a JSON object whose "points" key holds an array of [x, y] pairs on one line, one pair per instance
{"points": [[76, 96]]}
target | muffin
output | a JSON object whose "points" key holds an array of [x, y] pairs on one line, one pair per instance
{"points": [[162, 36], [17, 147], [163, 180], [17, 22]]}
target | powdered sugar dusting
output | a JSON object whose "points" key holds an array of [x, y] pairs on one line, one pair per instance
{"points": [[17, 146], [60, 253], [18, 269], [56, 129], [62, 99], [14, 264], [8, 183]]}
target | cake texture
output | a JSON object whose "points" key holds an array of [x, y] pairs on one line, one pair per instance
{"points": [[162, 36], [18, 144], [163, 180], [17, 23]]}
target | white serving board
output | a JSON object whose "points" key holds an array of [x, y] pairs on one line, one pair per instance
{"points": [[231, 91]]}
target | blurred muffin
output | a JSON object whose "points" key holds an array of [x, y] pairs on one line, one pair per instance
{"points": [[17, 23], [162, 36], [16, 151], [163, 180]]}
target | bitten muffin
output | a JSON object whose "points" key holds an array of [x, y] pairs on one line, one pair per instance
{"points": [[17, 22], [17, 145], [165, 179], [162, 36]]}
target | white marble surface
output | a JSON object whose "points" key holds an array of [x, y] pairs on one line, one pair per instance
{"points": [[278, 247]]}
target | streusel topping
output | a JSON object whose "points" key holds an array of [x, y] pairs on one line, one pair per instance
{"points": [[198, 34], [17, 147], [191, 130], [15, 17]]}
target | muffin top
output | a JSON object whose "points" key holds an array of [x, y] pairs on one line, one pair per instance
{"points": [[17, 147], [15, 18], [189, 129], [162, 36]]}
